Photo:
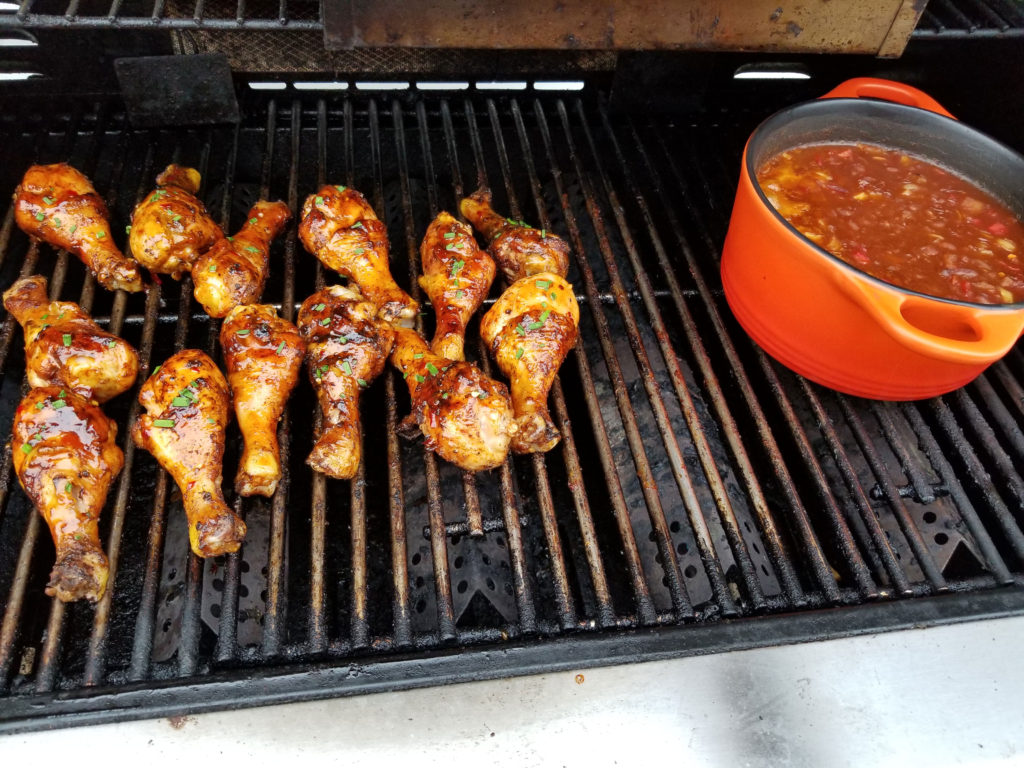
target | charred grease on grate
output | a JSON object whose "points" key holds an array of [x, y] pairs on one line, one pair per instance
{"points": [[773, 496]]}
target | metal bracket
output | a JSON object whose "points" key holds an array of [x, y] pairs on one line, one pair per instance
{"points": [[178, 90]]}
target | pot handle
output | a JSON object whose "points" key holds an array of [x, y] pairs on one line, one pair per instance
{"points": [[955, 333], [887, 90]]}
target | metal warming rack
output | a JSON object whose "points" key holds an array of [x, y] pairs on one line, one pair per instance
{"points": [[704, 498]]}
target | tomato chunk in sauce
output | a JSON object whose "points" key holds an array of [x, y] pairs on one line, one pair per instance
{"points": [[901, 219]]}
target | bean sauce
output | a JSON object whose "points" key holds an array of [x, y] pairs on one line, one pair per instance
{"points": [[901, 219]]}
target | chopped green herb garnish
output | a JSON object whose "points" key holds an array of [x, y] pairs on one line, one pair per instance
{"points": [[444, 395], [318, 307], [449, 235], [111, 343], [343, 339], [432, 369], [231, 239], [358, 225], [243, 332], [156, 370], [40, 216], [280, 347], [40, 405], [210, 421], [49, 200], [553, 295], [73, 228], [62, 394], [180, 402], [459, 294], [450, 247], [340, 187], [61, 315], [457, 267], [165, 423], [100, 235], [254, 221], [520, 330], [26, 448], [358, 251], [519, 353], [68, 487], [534, 325], [420, 378], [67, 339], [157, 195], [176, 217], [325, 321], [44, 317], [56, 222], [543, 234], [346, 367], [318, 200], [417, 356], [481, 395], [252, 249], [405, 375], [128, 229], [543, 284], [361, 382], [212, 268]]}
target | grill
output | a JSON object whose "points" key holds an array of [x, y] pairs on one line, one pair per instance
{"points": [[704, 498]]}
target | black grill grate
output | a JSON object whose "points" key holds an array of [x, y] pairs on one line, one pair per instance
{"points": [[701, 488], [971, 18]]}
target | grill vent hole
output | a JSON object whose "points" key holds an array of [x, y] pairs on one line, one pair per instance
{"points": [[941, 538], [929, 517], [689, 572], [463, 586]]}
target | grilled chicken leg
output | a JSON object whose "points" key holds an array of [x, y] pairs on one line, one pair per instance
{"points": [[341, 229], [66, 458], [347, 349], [171, 227], [186, 404], [456, 276], [263, 354], [58, 204], [234, 271], [529, 330], [465, 416], [65, 348], [519, 249]]}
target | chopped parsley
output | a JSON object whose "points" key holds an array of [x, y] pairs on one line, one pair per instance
{"points": [[156, 370], [280, 347], [346, 367], [358, 225], [243, 332], [318, 200], [27, 448], [358, 251], [520, 330], [111, 343], [252, 249], [326, 321], [73, 228], [253, 221], [210, 421], [68, 487], [49, 200], [340, 187], [100, 235], [432, 369], [420, 378], [212, 268], [163, 423], [318, 307], [67, 339], [40, 216], [128, 229], [361, 382], [450, 247], [449, 235], [459, 294], [543, 284], [181, 402], [417, 356], [519, 352]]}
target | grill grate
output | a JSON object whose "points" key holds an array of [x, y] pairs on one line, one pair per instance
{"points": [[703, 497]]}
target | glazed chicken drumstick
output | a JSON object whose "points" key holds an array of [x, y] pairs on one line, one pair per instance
{"points": [[341, 229], [187, 402], [170, 227], [234, 270], [66, 458], [519, 249], [263, 354], [58, 204], [65, 348], [347, 347], [529, 330], [465, 416], [456, 276]]}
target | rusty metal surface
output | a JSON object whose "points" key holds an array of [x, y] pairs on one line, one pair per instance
{"points": [[863, 27]]}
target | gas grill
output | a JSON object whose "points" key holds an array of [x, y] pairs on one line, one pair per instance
{"points": [[704, 498]]}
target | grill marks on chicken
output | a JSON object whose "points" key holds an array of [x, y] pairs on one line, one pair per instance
{"points": [[263, 353], [66, 457], [234, 270], [347, 347], [58, 205], [465, 416], [341, 229], [456, 276], [187, 409], [519, 249], [529, 331], [64, 347], [171, 227]]}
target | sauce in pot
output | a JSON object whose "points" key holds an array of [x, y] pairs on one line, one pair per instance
{"points": [[901, 219]]}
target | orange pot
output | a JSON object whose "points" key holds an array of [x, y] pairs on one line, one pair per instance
{"points": [[828, 320]]}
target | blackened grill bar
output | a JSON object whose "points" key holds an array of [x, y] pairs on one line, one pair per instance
{"points": [[699, 487]]}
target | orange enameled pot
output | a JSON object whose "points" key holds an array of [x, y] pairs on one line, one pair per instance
{"points": [[828, 320]]}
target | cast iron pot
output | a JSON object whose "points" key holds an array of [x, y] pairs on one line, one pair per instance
{"points": [[828, 320]]}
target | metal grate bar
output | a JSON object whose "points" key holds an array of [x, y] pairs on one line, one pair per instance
{"points": [[923, 490], [510, 511], [277, 602], [727, 515], [566, 609], [776, 548], [435, 511], [641, 593], [143, 641], [1009, 427], [647, 482], [986, 438]]}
